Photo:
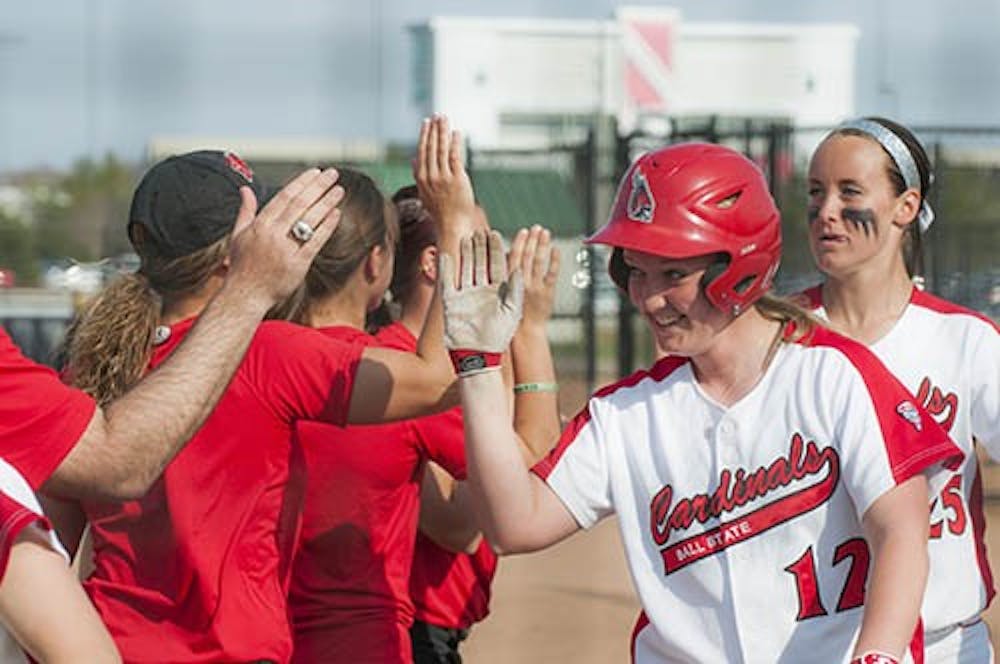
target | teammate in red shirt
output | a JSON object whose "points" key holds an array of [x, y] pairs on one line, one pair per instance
{"points": [[62, 442], [868, 211], [746, 465], [348, 596], [453, 566], [195, 569]]}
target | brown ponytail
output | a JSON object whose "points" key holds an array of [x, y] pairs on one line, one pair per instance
{"points": [[109, 344], [107, 349], [783, 310]]}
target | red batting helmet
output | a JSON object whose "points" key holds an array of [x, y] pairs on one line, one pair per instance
{"points": [[694, 199]]}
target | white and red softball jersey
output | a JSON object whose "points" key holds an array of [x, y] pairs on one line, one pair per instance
{"points": [[19, 509], [949, 357], [40, 418], [349, 594], [197, 569], [742, 524]]}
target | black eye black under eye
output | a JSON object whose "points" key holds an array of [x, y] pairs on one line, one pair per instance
{"points": [[862, 219]]}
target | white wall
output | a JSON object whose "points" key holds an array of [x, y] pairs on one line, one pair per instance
{"points": [[496, 77], [805, 73]]}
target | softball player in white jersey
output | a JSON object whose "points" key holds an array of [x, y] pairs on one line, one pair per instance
{"points": [[746, 470], [867, 186]]}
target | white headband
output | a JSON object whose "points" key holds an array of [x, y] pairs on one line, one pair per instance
{"points": [[901, 156]]}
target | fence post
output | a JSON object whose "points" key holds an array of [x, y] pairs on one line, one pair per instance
{"points": [[626, 333], [589, 313], [933, 250], [772, 160]]}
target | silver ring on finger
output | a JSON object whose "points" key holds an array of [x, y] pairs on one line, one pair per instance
{"points": [[302, 231]]}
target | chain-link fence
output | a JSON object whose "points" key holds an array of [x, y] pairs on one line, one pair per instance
{"points": [[568, 188]]}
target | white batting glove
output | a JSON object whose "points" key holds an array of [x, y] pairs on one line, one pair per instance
{"points": [[482, 313]]}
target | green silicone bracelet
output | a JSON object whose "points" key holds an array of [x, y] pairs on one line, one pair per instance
{"points": [[523, 388]]}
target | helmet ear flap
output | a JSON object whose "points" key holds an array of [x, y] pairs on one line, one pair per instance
{"points": [[713, 272], [617, 269]]}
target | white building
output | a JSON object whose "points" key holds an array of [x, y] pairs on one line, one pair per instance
{"points": [[520, 82]]}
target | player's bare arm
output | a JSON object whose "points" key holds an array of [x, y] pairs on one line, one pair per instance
{"points": [[44, 607], [447, 512], [896, 528], [518, 512], [536, 403], [128, 443]]}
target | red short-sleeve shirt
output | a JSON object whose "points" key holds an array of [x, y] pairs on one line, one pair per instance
{"points": [[40, 418], [197, 569], [349, 594]]}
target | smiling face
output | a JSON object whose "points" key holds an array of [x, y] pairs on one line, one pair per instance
{"points": [[668, 294], [856, 218]]}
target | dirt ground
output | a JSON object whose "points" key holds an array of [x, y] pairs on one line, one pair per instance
{"points": [[574, 602]]}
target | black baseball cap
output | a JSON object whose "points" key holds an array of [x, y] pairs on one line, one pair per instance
{"points": [[187, 202]]}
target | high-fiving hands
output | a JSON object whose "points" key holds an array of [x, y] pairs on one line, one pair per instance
{"points": [[482, 312], [444, 185], [537, 258]]}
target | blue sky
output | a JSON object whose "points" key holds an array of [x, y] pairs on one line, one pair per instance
{"points": [[84, 77]]}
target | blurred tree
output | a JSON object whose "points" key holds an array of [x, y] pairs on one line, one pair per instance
{"points": [[17, 249], [796, 258], [101, 193], [56, 237], [82, 215]]}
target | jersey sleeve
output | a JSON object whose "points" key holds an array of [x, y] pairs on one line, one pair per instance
{"points": [[19, 510], [442, 438], [577, 470], [984, 372], [303, 374], [884, 437], [41, 419]]}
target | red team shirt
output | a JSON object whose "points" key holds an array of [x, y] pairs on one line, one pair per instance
{"points": [[349, 594], [197, 570], [949, 357], [742, 524], [450, 590], [40, 418]]}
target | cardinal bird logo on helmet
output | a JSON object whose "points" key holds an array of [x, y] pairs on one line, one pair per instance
{"points": [[640, 202]]}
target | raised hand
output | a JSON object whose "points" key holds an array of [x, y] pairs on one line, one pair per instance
{"points": [[269, 255], [537, 258], [444, 185], [483, 312]]}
